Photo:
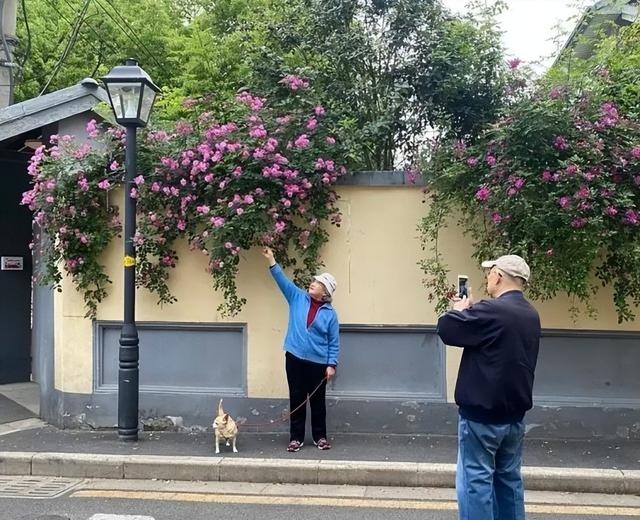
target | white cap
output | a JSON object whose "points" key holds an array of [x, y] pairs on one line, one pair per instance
{"points": [[329, 282], [513, 265]]}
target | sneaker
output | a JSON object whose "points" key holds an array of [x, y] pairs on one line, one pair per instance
{"points": [[295, 446], [322, 444]]}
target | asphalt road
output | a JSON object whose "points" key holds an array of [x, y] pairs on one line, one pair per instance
{"points": [[158, 500], [85, 508]]}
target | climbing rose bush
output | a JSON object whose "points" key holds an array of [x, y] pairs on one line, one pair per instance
{"points": [[225, 178], [231, 177], [70, 201], [556, 180]]}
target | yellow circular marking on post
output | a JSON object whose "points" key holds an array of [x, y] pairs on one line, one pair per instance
{"points": [[129, 261]]}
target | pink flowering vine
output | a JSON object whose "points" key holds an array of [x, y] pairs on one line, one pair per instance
{"points": [[225, 178], [558, 183], [70, 205]]}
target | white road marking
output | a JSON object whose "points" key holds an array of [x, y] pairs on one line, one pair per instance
{"points": [[19, 426], [100, 516]]}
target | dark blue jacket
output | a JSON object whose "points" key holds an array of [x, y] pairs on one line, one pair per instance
{"points": [[500, 339]]}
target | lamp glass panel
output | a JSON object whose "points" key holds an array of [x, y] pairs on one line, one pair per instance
{"points": [[148, 97], [125, 98]]}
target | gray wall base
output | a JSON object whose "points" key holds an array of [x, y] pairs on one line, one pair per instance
{"points": [[196, 412], [583, 422]]}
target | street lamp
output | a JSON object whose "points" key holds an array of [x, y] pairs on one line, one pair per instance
{"points": [[131, 93]]}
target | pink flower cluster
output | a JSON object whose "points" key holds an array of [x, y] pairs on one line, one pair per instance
{"points": [[556, 92], [609, 115], [516, 184], [258, 132], [632, 217], [72, 264], [560, 143], [184, 128], [294, 82], [82, 151], [158, 135], [514, 63], [255, 103], [483, 193], [302, 141], [92, 129], [217, 131]]}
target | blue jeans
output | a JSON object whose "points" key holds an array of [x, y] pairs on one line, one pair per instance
{"points": [[488, 480]]}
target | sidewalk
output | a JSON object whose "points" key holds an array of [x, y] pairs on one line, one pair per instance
{"points": [[597, 466], [19, 401], [19, 407], [592, 465]]}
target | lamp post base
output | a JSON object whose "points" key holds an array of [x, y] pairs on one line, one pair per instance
{"points": [[128, 375], [128, 435]]}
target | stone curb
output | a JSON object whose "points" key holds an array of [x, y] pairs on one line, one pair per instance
{"points": [[363, 473]]}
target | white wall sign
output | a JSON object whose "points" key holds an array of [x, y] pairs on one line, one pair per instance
{"points": [[12, 263]]}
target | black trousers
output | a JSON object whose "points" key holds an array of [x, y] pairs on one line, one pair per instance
{"points": [[303, 377]]}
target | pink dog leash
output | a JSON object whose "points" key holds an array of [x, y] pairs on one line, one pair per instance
{"points": [[285, 417]]}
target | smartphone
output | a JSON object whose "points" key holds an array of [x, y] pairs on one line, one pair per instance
{"points": [[463, 286]]}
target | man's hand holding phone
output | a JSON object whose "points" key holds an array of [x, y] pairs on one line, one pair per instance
{"points": [[463, 303], [463, 299]]}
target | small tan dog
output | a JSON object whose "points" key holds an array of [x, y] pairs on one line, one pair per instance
{"points": [[225, 428]]}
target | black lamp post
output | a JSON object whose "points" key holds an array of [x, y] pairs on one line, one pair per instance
{"points": [[131, 93]]}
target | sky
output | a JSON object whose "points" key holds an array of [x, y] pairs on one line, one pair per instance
{"points": [[530, 26]]}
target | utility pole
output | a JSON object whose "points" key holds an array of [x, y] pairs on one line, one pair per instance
{"points": [[8, 69]]}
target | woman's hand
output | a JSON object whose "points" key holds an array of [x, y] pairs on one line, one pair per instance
{"points": [[330, 372], [268, 254]]}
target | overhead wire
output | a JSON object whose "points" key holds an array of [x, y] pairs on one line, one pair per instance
{"points": [[55, 52], [70, 44], [135, 40], [103, 44], [76, 33], [111, 46], [128, 24], [28, 29], [70, 23]]}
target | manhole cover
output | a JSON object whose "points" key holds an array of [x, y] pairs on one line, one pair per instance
{"points": [[35, 487]]}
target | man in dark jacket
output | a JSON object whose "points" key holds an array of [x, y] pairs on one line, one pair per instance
{"points": [[500, 338]]}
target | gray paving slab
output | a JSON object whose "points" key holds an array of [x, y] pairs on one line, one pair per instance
{"points": [[10, 411], [25, 394]]}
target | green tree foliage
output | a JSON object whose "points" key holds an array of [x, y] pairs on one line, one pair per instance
{"points": [[69, 40], [395, 70], [615, 58]]}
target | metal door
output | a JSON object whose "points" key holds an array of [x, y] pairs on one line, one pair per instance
{"points": [[15, 271]]}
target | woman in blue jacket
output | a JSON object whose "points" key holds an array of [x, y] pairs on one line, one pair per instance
{"points": [[312, 346]]}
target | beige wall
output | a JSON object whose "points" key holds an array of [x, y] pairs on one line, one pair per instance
{"points": [[374, 257]]}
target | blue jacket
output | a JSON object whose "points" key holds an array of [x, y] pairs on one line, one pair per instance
{"points": [[320, 342]]}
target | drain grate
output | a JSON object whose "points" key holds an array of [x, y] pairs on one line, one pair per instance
{"points": [[35, 487]]}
